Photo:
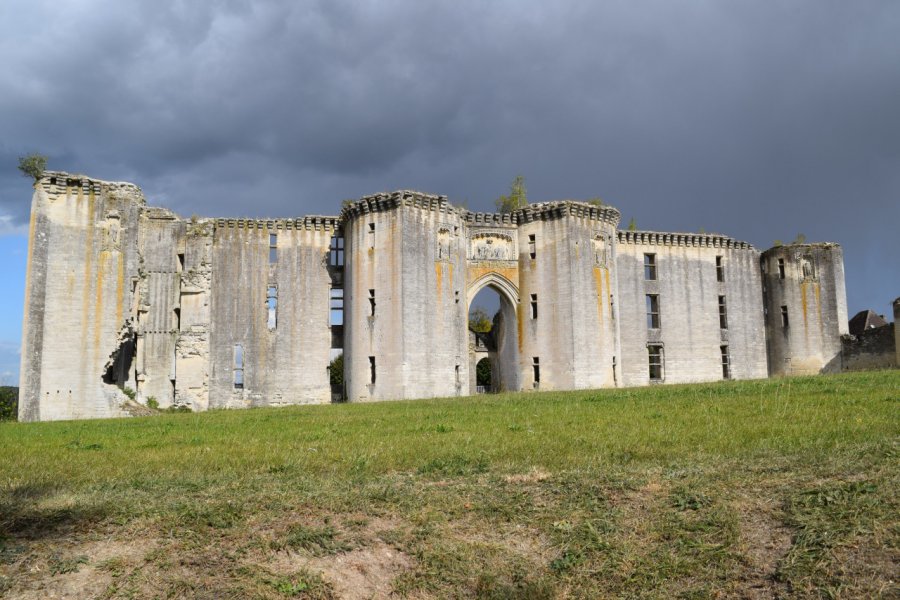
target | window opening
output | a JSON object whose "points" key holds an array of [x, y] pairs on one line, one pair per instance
{"points": [[780, 268], [372, 370], [650, 267], [272, 304], [534, 306], [372, 235], [723, 315], [273, 248], [177, 313], [652, 311], [726, 363], [336, 313], [180, 263], [238, 367], [536, 366], [720, 268], [456, 297], [336, 251], [655, 354], [784, 316], [371, 303], [532, 246]]}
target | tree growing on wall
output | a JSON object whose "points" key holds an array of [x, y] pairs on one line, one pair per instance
{"points": [[632, 225], [516, 199], [33, 165]]}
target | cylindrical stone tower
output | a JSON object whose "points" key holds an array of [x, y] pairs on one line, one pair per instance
{"points": [[404, 298], [568, 330], [806, 307]]}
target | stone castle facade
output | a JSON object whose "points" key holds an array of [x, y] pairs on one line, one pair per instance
{"points": [[124, 299]]}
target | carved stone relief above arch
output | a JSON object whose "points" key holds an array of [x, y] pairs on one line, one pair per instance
{"points": [[492, 245]]}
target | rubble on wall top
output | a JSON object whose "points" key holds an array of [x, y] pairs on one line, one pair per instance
{"points": [[805, 245], [662, 238]]}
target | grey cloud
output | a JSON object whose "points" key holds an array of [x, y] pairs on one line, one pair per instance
{"points": [[759, 120]]}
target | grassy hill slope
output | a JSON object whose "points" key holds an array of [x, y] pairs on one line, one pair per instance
{"points": [[749, 489]]}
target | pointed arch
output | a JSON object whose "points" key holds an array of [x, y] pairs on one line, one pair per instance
{"points": [[504, 287]]}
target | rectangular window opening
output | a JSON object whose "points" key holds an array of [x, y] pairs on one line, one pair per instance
{"points": [[720, 268], [780, 268], [655, 354], [272, 306], [726, 363], [371, 303], [238, 367], [372, 370], [336, 251], [180, 263], [534, 312], [273, 248], [536, 367], [650, 267], [723, 314], [336, 307], [784, 316], [532, 246], [652, 311], [177, 313]]}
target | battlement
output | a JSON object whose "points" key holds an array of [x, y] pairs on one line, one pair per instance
{"points": [[390, 200], [318, 223], [55, 183], [660, 238]]}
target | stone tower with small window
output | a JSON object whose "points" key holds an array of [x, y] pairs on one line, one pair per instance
{"points": [[805, 307]]}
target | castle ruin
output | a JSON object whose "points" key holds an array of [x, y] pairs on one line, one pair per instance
{"points": [[124, 299]]}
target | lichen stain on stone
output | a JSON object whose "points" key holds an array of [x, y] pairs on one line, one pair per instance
{"points": [[599, 287]]}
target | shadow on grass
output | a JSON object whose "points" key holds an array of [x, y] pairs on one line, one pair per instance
{"points": [[24, 513]]}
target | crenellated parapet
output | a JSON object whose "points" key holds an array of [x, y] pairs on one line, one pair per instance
{"points": [[60, 183], [317, 223], [544, 211], [391, 200], [701, 240]]}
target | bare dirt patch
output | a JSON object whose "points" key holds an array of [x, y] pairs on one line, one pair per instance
{"points": [[764, 540], [71, 570]]}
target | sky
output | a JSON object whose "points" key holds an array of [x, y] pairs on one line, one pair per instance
{"points": [[759, 120]]}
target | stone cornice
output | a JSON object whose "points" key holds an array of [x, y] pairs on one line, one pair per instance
{"points": [[660, 238], [310, 223]]}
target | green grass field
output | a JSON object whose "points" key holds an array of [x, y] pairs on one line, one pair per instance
{"points": [[776, 488]]}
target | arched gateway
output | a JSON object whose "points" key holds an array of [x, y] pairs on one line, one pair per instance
{"points": [[503, 346]]}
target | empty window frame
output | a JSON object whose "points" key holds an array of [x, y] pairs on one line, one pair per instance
{"points": [[336, 307], [723, 313], [271, 305], [532, 246], [655, 361], [336, 251], [534, 306], [650, 267], [273, 248], [652, 311], [536, 366], [372, 370], [238, 367], [780, 268], [720, 268], [371, 303], [726, 362], [784, 317], [372, 235]]}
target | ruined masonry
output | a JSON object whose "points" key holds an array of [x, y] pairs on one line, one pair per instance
{"points": [[127, 303]]}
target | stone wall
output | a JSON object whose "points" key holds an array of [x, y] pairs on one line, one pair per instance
{"points": [[872, 349], [688, 290]]}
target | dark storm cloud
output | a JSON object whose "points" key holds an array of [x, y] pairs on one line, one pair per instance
{"points": [[757, 119]]}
